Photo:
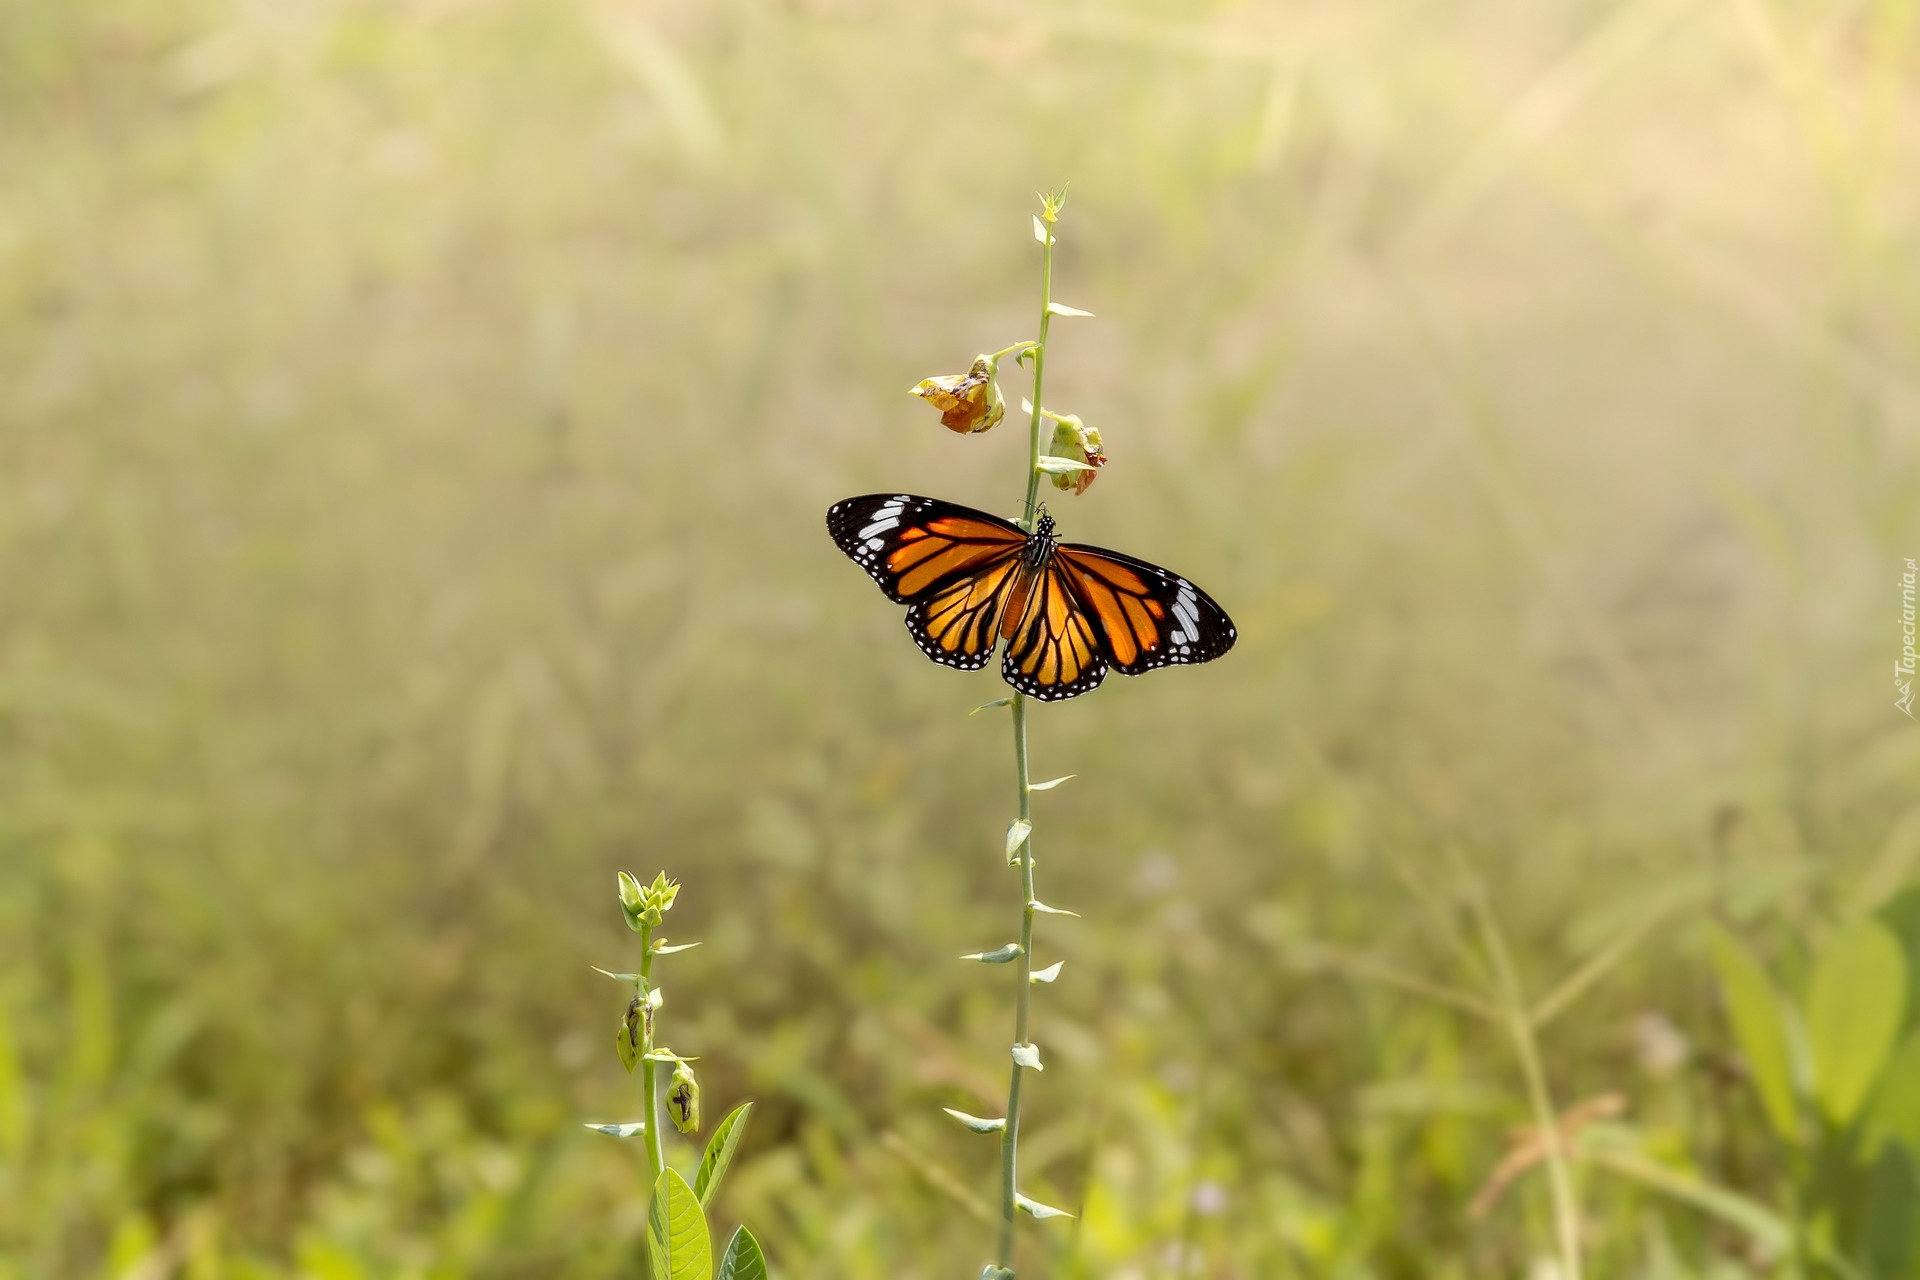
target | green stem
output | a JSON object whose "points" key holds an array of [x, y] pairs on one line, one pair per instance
{"points": [[1039, 378], [1010, 1136], [656, 1161], [1566, 1210]]}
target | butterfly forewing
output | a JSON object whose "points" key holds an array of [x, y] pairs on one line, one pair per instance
{"points": [[913, 547], [1147, 616]]}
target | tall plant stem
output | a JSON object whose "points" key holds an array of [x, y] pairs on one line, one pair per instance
{"points": [[655, 1159], [1010, 1135], [1566, 1210]]}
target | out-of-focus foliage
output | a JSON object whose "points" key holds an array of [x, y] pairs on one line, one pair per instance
{"points": [[415, 423]]}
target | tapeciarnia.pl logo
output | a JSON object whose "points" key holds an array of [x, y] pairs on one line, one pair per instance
{"points": [[1903, 666]]}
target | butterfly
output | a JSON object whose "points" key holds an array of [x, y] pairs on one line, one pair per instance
{"points": [[1067, 612]]}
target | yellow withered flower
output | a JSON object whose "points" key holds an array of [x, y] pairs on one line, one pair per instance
{"points": [[969, 401], [1076, 440]]}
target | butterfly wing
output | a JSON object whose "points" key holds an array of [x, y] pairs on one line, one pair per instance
{"points": [[1055, 651], [1147, 616], [953, 567]]}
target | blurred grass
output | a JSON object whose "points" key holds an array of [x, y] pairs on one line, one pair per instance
{"points": [[415, 423]]}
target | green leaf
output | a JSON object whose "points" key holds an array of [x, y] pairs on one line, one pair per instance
{"points": [[1061, 466], [720, 1149], [976, 1123], [662, 949], [1895, 1113], [632, 1129], [1042, 907], [1028, 1055], [1050, 783], [1009, 952], [743, 1260], [678, 1247], [1854, 1002], [1754, 1011], [1062, 309], [619, 977], [623, 1044], [1017, 832], [988, 706], [1047, 974], [1039, 1210]]}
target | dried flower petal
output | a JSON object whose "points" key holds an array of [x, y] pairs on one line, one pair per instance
{"points": [[969, 401]]}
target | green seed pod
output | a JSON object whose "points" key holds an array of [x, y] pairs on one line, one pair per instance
{"points": [[683, 1099]]}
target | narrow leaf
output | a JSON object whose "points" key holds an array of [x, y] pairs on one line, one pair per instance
{"points": [[1017, 832], [1028, 1055], [1009, 952], [976, 1123], [743, 1259], [1043, 908], [1050, 783], [987, 706], [1062, 309], [720, 1149], [1854, 1002], [991, 1272], [1039, 229], [618, 977], [1061, 466], [666, 1055], [678, 1246], [1039, 1210], [632, 1129], [662, 949], [1754, 1011], [1047, 974]]}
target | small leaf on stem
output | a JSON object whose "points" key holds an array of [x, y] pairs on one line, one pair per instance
{"points": [[632, 1129], [1062, 309], [985, 706], [617, 977], [1009, 952], [1050, 783], [1017, 832], [1061, 466], [976, 1123], [1044, 909], [1039, 230], [662, 949], [1047, 974], [1039, 1210], [1028, 1055]]}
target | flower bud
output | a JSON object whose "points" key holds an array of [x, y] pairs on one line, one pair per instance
{"points": [[1074, 439], [969, 401], [683, 1099], [632, 900]]}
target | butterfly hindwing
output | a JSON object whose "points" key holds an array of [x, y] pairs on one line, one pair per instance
{"points": [[958, 624], [1147, 616], [914, 547], [1054, 652]]}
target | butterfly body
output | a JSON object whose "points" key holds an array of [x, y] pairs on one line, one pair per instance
{"points": [[1067, 611]]}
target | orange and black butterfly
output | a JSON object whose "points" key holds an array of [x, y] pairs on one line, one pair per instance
{"points": [[1066, 611]]}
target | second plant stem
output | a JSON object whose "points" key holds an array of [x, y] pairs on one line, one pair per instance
{"points": [[655, 1158], [1010, 1135]]}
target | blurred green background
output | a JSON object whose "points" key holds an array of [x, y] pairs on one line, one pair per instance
{"points": [[416, 420]]}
